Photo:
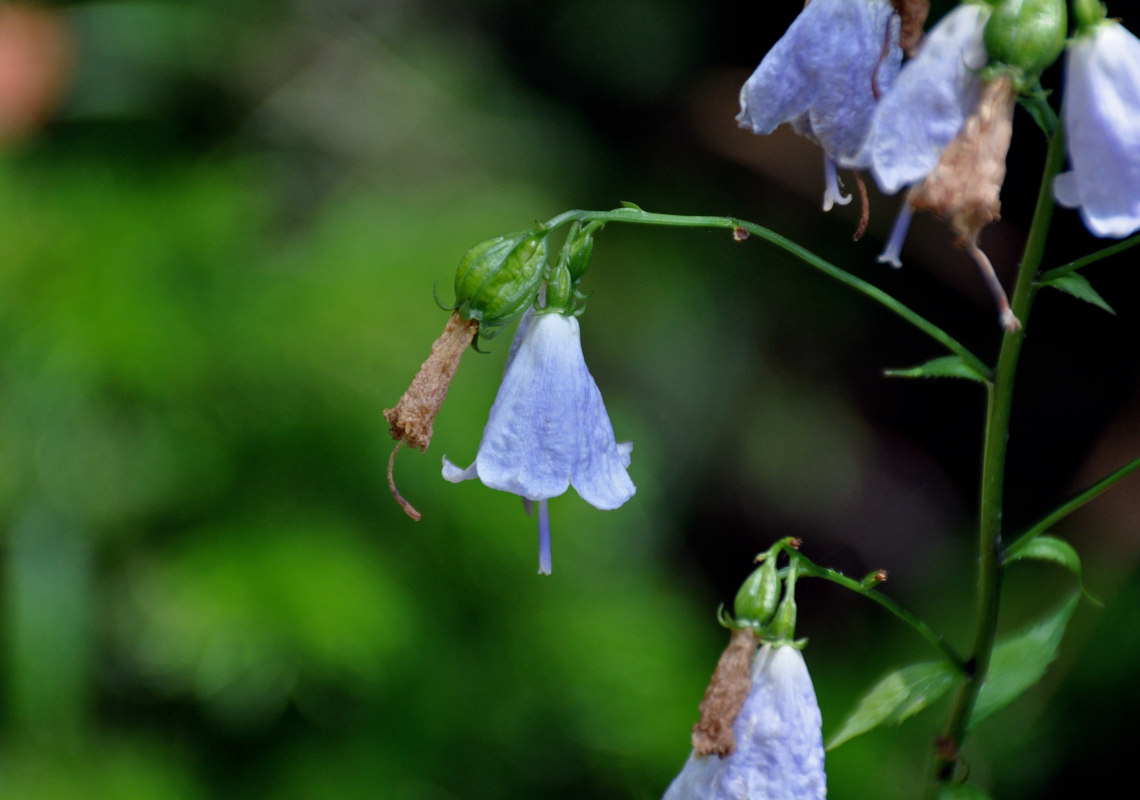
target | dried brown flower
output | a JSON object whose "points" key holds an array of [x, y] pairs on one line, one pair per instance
{"points": [[965, 186], [413, 418], [726, 693]]}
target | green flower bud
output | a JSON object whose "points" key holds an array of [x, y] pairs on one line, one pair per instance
{"points": [[578, 249], [559, 290], [756, 601], [1025, 37], [783, 628], [498, 279]]}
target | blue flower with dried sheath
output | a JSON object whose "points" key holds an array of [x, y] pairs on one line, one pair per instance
{"points": [[929, 103], [548, 428], [779, 742]]}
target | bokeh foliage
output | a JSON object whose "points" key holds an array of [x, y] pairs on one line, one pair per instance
{"points": [[217, 269]]}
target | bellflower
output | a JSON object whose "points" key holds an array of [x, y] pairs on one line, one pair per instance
{"points": [[779, 741], [929, 103], [548, 428], [824, 76], [1102, 120], [926, 108]]}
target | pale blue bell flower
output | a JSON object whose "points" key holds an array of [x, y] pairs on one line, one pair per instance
{"points": [[929, 103], [548, 428], [779, 740], [1101, 110], [824, 76], [924, 111]]}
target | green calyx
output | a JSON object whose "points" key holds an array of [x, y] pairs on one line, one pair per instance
{"points": [[498, 279], [758, 604], [783, 627], [1089, 14], [1023, 37]]}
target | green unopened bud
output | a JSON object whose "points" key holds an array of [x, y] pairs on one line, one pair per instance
{"points": [[1025, 37], [498, 279], [560, 290], [756, 601], [783, 628], [1089, 14], [579, 247]]}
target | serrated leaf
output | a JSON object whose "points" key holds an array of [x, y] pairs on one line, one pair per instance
{"points": [[1020, 661], [942, 367], [1078, 286], [899, 695], [961, 791]]}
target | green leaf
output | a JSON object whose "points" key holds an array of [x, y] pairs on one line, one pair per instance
{"points": [[1078, 286], [1050, 548], [1019, 662], [961, 791], [899, 695], [1037, 104], [1046, 548], [942, 367]]}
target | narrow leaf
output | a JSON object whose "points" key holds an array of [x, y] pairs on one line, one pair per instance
{"points": [[1050, 548], [899, 695], [942, 367], [1020, 661], [1079, 287]]}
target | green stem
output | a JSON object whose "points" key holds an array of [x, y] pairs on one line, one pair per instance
{"points": [[1075, 502], [637, 216], [1091, 258], [807, 567], [1000, 399]]}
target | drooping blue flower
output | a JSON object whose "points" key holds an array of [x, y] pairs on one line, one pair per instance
{"points": [[925, 110], [779, 740], [548, 428], [1101, 110], [824, 76], [934, 94]]}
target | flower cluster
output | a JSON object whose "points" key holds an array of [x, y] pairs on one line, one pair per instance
{"points": [[940, 126]]}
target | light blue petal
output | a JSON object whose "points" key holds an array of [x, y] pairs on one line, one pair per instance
{"points": [[779, 741], [1102, 121], [929, 102], [842, 112], [455, 474], [820, 74], [600, 475], [520, 334], [530, 444]]}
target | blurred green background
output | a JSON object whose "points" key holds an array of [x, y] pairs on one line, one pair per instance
{"points": [[220, 227]]}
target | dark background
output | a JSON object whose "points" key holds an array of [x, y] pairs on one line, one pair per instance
{"points": [[220, 227]]}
